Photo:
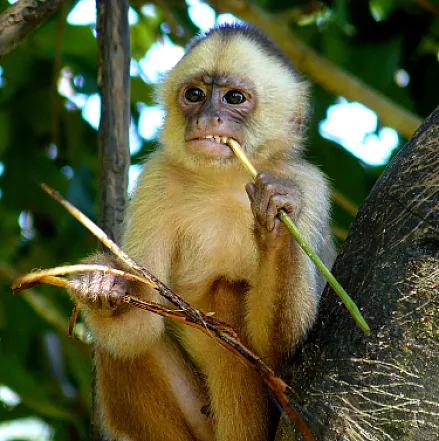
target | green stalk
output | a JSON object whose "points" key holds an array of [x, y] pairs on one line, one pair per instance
{"points": [[289, 224], [344, 296]]}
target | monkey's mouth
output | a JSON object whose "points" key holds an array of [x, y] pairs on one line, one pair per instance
{"points": [[210, 146], [217, 139], [211, 138]]}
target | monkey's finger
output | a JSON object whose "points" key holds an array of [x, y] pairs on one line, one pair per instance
{"points": [[263, 194], [78, 288], [97, 294], [272, 211], [114, 299], [116, 294], [283, 201], [107, 285], [75, 285], [277, 202], [250, 188], [84, 290]]}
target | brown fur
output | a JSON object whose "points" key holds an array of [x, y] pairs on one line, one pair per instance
{"points": [[190, 223]]}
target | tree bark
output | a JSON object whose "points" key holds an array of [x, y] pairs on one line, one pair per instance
{"points": [[114, 84], [385, 386], [113, 34], [20, 19]]}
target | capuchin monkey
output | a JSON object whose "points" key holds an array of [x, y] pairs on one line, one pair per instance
{"points": [[198, 224]]}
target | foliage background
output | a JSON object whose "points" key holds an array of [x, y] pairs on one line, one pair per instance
{"points": [[50, 372]]}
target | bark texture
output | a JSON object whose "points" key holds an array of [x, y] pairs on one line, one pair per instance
{"points": [[20, 19], [114, 84], [383, 387], [113, 35]]}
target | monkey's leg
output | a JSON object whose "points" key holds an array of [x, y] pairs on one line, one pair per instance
{"points": [[238, 398], [152, 397]]}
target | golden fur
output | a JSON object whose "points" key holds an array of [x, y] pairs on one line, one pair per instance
{"points": [[190, 223]]}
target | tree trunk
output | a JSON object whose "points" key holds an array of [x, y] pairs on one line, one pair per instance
{"points": [[113, 35], [114, 84], [385, 386]]}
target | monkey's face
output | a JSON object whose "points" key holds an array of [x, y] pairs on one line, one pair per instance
{"points": [[215, 108], [230, 87]]}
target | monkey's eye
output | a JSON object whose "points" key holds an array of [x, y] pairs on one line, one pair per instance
{"points": [[194, 95], [234, 97]]}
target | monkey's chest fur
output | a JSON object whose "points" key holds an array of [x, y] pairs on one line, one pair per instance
{"points": [[215, 242], [216, 254]]}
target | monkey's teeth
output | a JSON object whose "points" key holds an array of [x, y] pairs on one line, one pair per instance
{"points": [[217, 139]]}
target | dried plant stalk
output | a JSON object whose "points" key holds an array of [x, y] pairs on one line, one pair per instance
{"points": [[185, 313], [49, 276]]}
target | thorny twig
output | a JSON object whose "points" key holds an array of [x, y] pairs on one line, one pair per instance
{"points": [[184, 313]]}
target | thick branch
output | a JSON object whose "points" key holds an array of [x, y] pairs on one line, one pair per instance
{"points": [[383, 387], [21, 19], [335, 80], [113, 79], [113, 36]]}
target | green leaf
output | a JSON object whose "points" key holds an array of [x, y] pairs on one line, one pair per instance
{"points": [[142, 92], [381, 9], [30, 391], [141, 39]]}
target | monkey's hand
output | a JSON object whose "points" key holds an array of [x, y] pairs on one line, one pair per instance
{"points": [[267, 196], [98, 290]]}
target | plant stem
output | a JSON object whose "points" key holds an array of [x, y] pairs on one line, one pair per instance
{"points": [[289, 224]]}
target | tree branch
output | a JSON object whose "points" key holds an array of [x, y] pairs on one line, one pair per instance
{"points": [[185, 312], [20, 19], [428, 6], [374, 388], [113, 36], [114, 85], [335, 80]]}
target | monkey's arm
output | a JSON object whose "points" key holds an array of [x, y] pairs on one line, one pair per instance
{"points": [[121, 329], [115, 326], [286, 288]]}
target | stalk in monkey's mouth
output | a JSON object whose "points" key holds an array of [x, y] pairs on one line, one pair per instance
{"points": [[210, 146]]}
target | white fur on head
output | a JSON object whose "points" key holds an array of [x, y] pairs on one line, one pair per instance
{"points": [[281, 96]]}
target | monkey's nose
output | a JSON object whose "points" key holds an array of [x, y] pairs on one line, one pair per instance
{"points": [[217, 121]]}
